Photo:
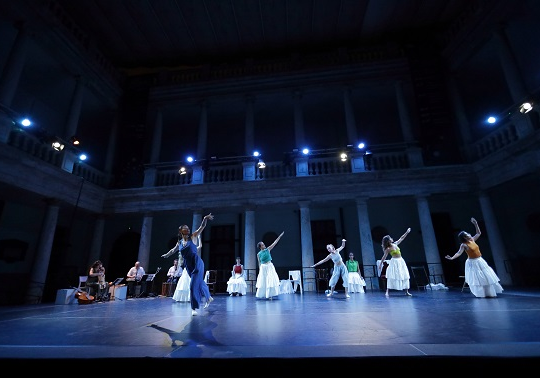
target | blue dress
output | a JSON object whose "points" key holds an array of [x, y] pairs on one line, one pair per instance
{"points": [[195, 268]]}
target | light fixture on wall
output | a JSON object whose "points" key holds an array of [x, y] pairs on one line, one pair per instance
{"points": [[525, 107], [57, 145], [74, 140]]}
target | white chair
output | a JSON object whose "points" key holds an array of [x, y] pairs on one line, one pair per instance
{"points": [[295, 276], [82, 284]]}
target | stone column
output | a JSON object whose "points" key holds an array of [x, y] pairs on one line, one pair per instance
{"points": [[431, 249], [10, 78], [497, 246], [97, 240], [203, 131], [307, 242], [349, 117], [150, 173], [156, 137], [404, 114], [250, 247], [366, 241], [75, 108], [38, 275], [249, 126], [300, 139], [146, 241], [14, 66], [111, 147]]}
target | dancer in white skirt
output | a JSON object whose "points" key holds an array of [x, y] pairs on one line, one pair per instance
{"points": [[397, 273], [181, 293], [481, 278], [237, 284], [357, 284], [268, 279]]}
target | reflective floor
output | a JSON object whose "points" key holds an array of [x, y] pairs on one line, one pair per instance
{"points": [[439, 326]]}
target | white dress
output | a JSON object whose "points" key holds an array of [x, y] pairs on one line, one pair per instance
{"points": [[356, 283], [181, 294], [237, 284]]}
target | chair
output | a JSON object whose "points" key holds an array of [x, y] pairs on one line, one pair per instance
{"points": [[295, 276], [465, 284], [211, 280], [420, 277], [321, 275], [370, 274], [82, 284]]}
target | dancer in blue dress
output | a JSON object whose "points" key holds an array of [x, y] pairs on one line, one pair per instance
{"points": [[194, 265]]}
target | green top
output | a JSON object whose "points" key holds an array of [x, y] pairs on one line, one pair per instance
{"points": [[352, 266], [264, 256]]}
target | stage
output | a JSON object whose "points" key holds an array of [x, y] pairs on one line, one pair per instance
{"points": [[299, 329]]}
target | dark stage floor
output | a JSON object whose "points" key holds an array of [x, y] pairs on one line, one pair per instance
{"points": [[441, 326]]}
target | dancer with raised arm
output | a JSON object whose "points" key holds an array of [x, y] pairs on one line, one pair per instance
{"points": [[481, 278], [187, 248], [397, 273], [340, 270], [268, 279]]}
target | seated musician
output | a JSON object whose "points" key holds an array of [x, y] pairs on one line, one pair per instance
{"points": [[134, 277], [96, 281], [174, 273]]}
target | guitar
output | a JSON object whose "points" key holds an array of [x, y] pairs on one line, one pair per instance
{"points": [[83, 297]]}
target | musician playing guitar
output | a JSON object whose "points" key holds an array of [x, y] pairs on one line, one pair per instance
{"points": [[96, 280]]}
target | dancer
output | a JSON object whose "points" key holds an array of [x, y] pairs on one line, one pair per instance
{"points": [[339, 268], [193, 263], [237, 284], [397, 273], [481, 278], [268, 279], [357, 283], [181, 293]]}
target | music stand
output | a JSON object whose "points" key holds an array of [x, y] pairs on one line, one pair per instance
{"points": [[147, 278], [115, 283]]}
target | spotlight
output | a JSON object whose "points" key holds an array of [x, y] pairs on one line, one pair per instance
{"points": [[261, 164], [182, 171], [74, 140], [343, 156], [58, 146], [525, 107]]}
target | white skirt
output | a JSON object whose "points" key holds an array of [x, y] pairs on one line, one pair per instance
{"points": [[267, 281], [237, 284], [397, 274], [181, 294], [356, 283], [481, 278]]}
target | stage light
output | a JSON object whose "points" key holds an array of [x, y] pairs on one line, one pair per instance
{"points": [[57, 145], [525, 107], [182, 171], [261, 164], [343, 156], [74, 140]]}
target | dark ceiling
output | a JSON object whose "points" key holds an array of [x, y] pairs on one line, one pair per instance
{"points": [[159, 33]]}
